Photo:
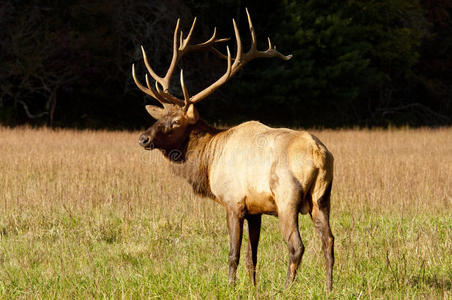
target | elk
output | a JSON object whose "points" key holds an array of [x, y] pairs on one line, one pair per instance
{"points": [[250, 169]]}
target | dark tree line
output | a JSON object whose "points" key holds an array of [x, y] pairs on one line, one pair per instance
{"points": [[365, 63]]}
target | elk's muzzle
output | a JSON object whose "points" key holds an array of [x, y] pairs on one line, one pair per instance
{"points": [[144, 140]]}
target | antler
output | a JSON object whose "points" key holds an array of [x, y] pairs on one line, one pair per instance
{"points": [[240, 60], [179, 49]]}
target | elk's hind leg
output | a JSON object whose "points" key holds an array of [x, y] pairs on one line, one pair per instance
{"points": [[288, 223], [320, 216], [254, 230], [235, 228]]}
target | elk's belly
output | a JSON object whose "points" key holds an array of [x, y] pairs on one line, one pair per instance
{"points": [[260, 203]]}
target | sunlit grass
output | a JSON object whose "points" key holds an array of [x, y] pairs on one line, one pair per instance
{"points": [[90, 214]]}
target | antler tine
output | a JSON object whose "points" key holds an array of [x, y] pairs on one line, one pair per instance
{"points": [[156, 86], [174, 59], [149, 68], [254, 53], [184, 90], [207, 44], [184, 42], [181, 38], [253, 33], [150, 91], [170, 98], [238, 57], [164, 81], [209, 90]]}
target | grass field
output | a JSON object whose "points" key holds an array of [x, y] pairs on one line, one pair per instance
{"points": [[90, 214]]}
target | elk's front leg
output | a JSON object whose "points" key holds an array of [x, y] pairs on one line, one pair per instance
{"points": [[254, 230], [235, 227]]}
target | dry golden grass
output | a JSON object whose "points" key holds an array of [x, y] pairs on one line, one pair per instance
{"points": [[89, 213], [392, 170]]}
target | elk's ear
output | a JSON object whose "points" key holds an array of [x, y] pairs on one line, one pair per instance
{"points": [[192, 114], [155, 111]]}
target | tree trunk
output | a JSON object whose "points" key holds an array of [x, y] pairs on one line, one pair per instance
{"points": [[53, 101]]}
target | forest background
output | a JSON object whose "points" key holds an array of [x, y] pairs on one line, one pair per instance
{"points": [[356, 63]]}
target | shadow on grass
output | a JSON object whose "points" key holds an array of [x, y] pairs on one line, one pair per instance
{"points": [[439, 283]]}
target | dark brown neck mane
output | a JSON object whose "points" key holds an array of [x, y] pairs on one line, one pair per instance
{"points": [[191, 160]]}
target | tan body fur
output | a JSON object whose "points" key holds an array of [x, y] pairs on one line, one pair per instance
{"points": [[258, 167]]}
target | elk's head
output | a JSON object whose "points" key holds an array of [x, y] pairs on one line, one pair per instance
{"points": [[177, 116], [170, 129]]}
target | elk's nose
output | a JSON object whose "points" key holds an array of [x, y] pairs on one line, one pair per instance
{"points": [[144, 140]]}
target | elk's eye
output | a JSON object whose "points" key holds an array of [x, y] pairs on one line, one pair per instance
{"points": [[175, 123]]}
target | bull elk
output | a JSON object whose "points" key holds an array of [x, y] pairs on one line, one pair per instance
{"points": [[250, 169]]}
